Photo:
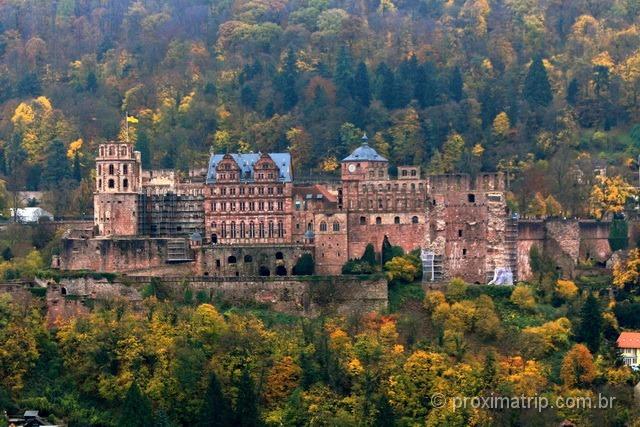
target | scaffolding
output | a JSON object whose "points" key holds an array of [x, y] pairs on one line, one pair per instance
{"points": [[178, 250], [170, 215], [432, 268], [511, 245]]}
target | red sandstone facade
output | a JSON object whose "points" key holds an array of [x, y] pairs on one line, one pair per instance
{"points": [[245, 215]]}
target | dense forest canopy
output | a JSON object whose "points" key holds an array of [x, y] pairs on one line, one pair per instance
{"points": [[538, 89]]}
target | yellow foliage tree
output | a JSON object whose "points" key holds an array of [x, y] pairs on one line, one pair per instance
{"points": [[609, 195], [282, 379], [553, 207], [400, 269], [566, 289], [628, 271], [501, 125], [522, 296], [538, 206]]}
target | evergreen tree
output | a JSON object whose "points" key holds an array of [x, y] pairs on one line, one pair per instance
{"points": [[7, 255], [161, 419], [387, 250], [304, 265], [215, 411], [92, 82], [142, 145], [289, 77], [618, 234], [590, 327], [573, 91], [77, 168], [246, 413], [456, 85], [343, 76], [426, 88], [385, 417], [537, 90], [489, 370], [369, 255], [361, 86], [56, 165], [16, 155], [136, 409], [386, 85]]}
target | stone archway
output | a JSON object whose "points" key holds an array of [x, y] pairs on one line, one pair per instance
{"points": [[264, 271], [281, 270]]}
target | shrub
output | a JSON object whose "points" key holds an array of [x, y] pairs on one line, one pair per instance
{"points": [[305, 266], [456, 289]]}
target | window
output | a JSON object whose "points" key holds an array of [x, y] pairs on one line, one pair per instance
{"points": [[363, 220], [279, 255], [279, 190], [231, 260], [252, 230], [261, 230], [270, 190], [233, 230], [242, 230], [223, 232], [414, 172], [271, 229], [378, 220], [380, 173], [396, 220], [404, 172], [459, 233], [125, 183], [100, 184], [280, 206], [125, 169], [414, 220], [280, 229], [464, 252], [323, 226], [248, 258], [336, 226], [380, 204], [111, 169], [112, 183], [471, 198]]}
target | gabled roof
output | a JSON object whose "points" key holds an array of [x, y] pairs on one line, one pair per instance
{"points": [[629, 340], [364, 153], [246, 162]]}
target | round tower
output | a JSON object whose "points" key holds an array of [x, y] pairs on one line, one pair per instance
{"points": [[365, 164], [118, 184]]}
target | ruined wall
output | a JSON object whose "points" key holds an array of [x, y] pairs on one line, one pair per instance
{"points": [[254, 260], [311, 296], [113, 254], [566, 241]]}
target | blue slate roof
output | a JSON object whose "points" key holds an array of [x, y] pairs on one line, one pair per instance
{"points": [[246, 162], [364, 153]]}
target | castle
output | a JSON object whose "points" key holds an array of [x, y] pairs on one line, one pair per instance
{"points": [[245, 215]]}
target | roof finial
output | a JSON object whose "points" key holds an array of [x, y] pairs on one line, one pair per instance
{"points": [[365, 139]]}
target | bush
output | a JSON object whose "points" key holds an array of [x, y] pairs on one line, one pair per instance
{"points": [[618, 234], [305, 266], [456, 289], [357, 266], [369, 255]]}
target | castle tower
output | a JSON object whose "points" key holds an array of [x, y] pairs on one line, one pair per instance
{"points": [[118, 183], [364, 164]]}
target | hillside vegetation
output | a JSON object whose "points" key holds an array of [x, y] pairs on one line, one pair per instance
{"points": [[544, 90]]}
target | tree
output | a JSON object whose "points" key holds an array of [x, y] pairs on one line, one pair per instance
{"points": [[456, 85], [400, 269], [386, 86], [609, 195], [426, 85], [246, 411], [522, 296], [343, 75], [142, 145], [573, 92], [618, 234], [589, 329], [452, 152], [501, 126], [136, 409], [369, 255], [215, 411], [361, 86], [305, 265], [537, 90], [7, 255], [57, 164], [578, 368], [627, 272], [289, 78]]}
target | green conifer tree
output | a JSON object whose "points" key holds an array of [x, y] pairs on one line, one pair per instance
{"points": [[246, 412], [215, 411], [142, 145], [589, 329], [537, 90], [57, 165], [136, 409], [361, 86], [456, 85]]}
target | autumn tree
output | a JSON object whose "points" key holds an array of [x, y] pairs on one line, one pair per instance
{"points": [[609, 195], [578, 368]]}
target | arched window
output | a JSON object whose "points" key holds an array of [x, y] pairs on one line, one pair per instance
{"points": [[336, 226], [279, 255], [223, 231], [248, 258], [323, 226], [280, 229], [111, 151], [112, 183], [125, 169], [396, 220], [271, 229], [261, 230], [125, 183], [252, 230], [242, 230], [111, 169], [123, 150], [101, 151], [378, 220], [414, 220], [231, 260], [213, 225], [99, 184], [233, 229], [363, 220]]}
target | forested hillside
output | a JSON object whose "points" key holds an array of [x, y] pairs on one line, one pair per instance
{"points": [[546, 90]]}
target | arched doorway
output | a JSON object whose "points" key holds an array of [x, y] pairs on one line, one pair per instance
{"points": [[264, 271], [281, 270]]}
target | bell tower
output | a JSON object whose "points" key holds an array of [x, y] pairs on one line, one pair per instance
{"points": [[118, 184]]}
